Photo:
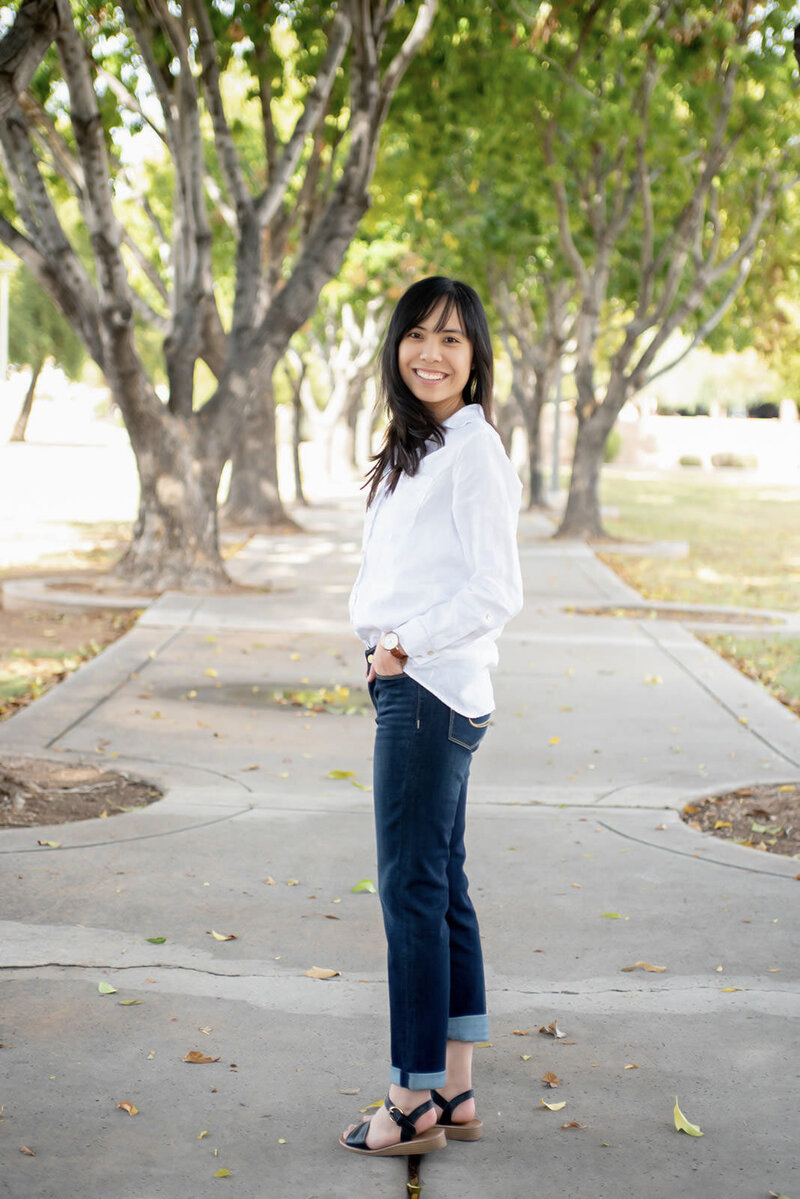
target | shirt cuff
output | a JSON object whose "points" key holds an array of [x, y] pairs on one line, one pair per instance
{"points": [[414, 638]]}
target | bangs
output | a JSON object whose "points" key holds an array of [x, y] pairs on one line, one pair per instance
{"points": [[450, 305]]}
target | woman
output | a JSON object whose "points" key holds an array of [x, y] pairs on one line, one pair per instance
{"points": [[439, 578]]}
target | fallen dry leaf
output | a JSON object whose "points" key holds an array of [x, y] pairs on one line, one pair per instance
{"points": [[222, 1173], [682, 1124], [204, 1133], [644, 966], [551, 1079], [129, 1107], [520, 1032], [351, 1091], [573, 1124], [320, 972], [554, 1107], [632, 1066], [50, 844], [196, 1057], [223, 936], [553, 1030], [269, 880], [25, 1149]]}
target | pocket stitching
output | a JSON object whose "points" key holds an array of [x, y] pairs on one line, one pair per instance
{"points": [[456, 741]]}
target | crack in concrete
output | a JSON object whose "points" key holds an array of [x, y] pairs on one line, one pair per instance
{"points": [[187, 828], [154, 966], [683, 853]]}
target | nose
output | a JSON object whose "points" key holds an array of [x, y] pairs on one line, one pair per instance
{"points": [[429, 350]]}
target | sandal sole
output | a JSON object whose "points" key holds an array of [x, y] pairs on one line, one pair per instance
{"points": [[471, 1130], [424, 1142]]}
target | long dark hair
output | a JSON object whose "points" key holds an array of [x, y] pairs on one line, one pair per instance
{"points": [[411, 425]]}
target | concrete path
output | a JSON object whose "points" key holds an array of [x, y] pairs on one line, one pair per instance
{"points": [[604, 729]]}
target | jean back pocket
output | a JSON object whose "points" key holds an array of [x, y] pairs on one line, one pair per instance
{"points": [[468, 731]]}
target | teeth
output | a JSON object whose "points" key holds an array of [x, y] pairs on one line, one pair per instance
{"points": [[429, 375]]}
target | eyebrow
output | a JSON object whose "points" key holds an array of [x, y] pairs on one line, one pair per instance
{"points": [[460, 331]]}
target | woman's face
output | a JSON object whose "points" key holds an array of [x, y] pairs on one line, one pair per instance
{"points": [[435, 363]]}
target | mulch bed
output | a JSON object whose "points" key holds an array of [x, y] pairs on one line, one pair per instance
{"points": [[765, 817], [37, 791]]}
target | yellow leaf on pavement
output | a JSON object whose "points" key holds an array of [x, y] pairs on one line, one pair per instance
{"points": [[320, 972], [682, 1124], [129, 1107], [554, 1107], [223, 936]]}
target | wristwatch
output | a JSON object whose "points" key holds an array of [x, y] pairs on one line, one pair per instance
{"points": [[391, 641]]}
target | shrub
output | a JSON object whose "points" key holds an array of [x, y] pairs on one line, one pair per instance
{"points": [[767, 411], [690, 460], [728, 461]]}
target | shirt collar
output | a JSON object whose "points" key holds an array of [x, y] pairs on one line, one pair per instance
{"points": [[464, 416]]}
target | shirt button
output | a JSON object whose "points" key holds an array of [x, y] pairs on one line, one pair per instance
{"points": [[430, 653]]}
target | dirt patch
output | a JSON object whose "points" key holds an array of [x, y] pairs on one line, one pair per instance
{"points": [[694, 615], [765, 817], [41, 791], [40, 648]]}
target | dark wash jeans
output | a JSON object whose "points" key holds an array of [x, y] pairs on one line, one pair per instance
{"points": [[423, 752]]}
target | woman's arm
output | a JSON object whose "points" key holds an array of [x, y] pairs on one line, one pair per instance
{"points": [[485, 507]]}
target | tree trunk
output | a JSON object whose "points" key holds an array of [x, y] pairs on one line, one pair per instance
{"points": [[175, 537], [582, 516], [254, 499], [297, 417], [532, 415], [20, 428]]}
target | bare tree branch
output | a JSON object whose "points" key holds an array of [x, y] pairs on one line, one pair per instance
{"points": [[268, 203]]}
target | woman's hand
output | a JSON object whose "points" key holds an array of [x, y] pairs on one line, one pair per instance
{"points": [[384, 662]]}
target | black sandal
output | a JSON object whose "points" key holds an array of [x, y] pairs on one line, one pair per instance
{"points": [[411, 1141], [470, 1130]]}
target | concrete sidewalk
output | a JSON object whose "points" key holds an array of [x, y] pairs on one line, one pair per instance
{"points": [[604, 729]]}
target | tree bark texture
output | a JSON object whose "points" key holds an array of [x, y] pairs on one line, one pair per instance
{"points": [[254, 498], [582, 517], [175, 543]]}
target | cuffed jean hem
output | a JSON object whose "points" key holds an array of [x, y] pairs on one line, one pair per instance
{"points": [[468, 1028], [417, 1082]]}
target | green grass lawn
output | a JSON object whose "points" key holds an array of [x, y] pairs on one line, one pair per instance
{"points": [[744, 551], [774, 661], [744, 541]]}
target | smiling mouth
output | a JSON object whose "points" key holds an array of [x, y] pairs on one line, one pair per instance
{"points": [[430, 376]]}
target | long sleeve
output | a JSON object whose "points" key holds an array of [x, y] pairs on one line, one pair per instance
{"points": [[485, 508]]}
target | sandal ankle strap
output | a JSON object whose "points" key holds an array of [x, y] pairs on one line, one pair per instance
{"points": [[406, 1122], [448, 1106]]}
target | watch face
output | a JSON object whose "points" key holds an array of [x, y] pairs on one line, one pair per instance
{"points": [[390, 641]]}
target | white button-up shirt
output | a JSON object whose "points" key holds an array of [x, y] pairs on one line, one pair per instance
{"points": [[440, 565]]}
